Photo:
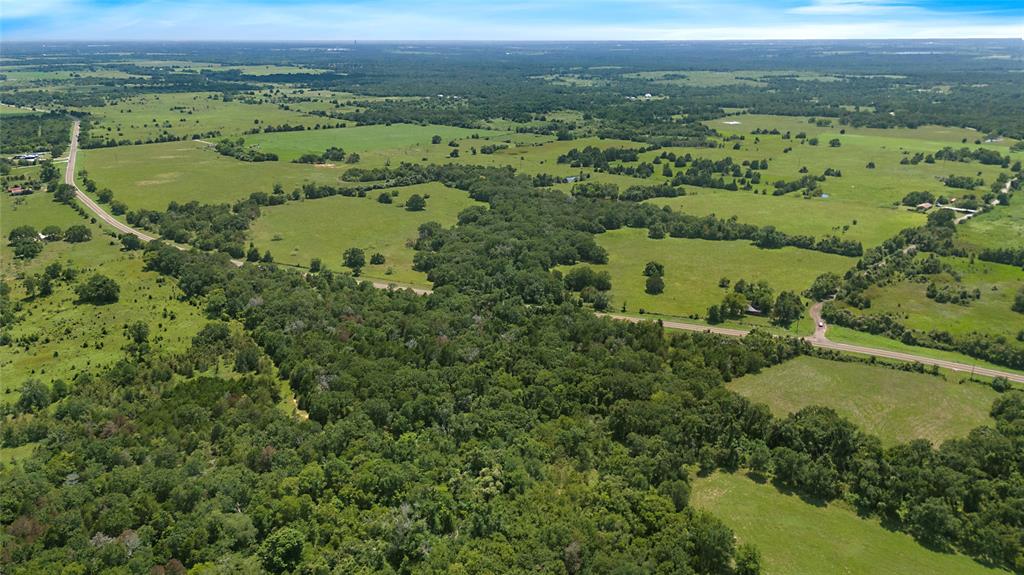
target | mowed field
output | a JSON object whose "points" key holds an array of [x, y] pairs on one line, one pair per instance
{"points": [[68, 337], [991, 313], [797, 538], [693, 268], [324, 228], [897, 406], [152, 175]]}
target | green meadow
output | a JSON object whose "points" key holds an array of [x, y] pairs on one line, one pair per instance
{"points": [[997, 284], [693, 268], [57, 337], [998, 228], [291, 145], [797, 538], [792, 213], [185, 114], [897, 406], [153, 175], [324, 228]]}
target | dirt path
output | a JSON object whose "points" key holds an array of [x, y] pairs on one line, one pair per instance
{"points": [[817, 340]]}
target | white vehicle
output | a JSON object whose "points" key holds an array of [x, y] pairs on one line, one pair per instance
{"points": [[821, 324]]}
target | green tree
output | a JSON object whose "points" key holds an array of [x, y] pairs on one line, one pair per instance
{"points": [[415, 203], [138, 340], [787, 308], [77, 233], [35, 396], [99, 290], [654, 285], [354, 259], [282, 550], [654, 269], [64, 194]]}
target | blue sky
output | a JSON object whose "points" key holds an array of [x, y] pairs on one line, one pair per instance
{"points": [[308, 20]]}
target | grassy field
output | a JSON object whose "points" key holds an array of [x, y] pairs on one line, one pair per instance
{"points": [[69, 337], [998, 228], [846, 335], [796, 538], [324, 228], [818, 217], [897, 406], [361, 139], [145, 117], [991, 314], [153, 175], [693, 268]]}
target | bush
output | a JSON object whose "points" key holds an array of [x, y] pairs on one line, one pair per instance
{"points": [[655, 285]]}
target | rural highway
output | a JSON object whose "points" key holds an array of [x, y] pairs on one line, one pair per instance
{"points": [[69, 179], [817, 340]]}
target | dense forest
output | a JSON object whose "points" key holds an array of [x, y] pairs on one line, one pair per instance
{"points": [[314, 424]]}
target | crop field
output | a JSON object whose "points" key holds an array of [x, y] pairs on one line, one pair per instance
{"points": [[693, 268], [991, 313], [324, 228], [796, 538], [185, 114], [153, 175], [897, 406]]}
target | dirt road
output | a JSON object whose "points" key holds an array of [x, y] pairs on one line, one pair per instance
{"points": [[817, 340]]}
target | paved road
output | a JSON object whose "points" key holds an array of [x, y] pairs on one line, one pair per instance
{"points": [[817, 340], [69, 179], [820, 340]]}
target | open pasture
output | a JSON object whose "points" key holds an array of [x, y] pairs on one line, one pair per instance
{"points": [[185, 114], [792, 213], [797, 538], [401, 138], [897, 406], [693, 268], [67, 337], [324, 228], [991, 313], [153, 175]]}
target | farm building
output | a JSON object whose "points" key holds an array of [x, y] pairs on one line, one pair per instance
{"points": [[19, 191], [924, 206]]}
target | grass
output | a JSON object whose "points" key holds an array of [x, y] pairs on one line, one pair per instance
{"points": [[153, 175], [797, 538], [184, 114], [693, 268], [324, 228], [291, 145], [897, 406], [61, 338], [990, 314], [850, 336], [1001, 227], [818, 217]]}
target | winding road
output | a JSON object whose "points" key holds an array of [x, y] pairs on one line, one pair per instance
{"points": [[817, 340]]}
